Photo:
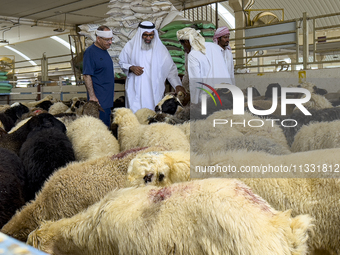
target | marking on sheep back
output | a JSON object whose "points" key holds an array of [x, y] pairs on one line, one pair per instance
{"points": [[160, 195], [246, 192], [128, 152]]}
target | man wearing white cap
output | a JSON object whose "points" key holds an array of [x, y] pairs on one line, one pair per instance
{"points": [[205, 62], [147, 64], [99, 74], [221, 38]]}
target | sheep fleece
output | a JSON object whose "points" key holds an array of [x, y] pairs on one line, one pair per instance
{"points": [[199, 217]]}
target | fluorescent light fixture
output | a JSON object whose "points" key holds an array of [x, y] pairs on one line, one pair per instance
{"points": [[226, 15], [63, 42], [21, 54]]}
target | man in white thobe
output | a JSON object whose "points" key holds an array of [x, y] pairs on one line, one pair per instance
{"points": [[205, 62], [221, 38], [147, 64]]}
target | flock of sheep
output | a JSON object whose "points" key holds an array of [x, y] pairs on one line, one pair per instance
{"points": [[69, 185]]}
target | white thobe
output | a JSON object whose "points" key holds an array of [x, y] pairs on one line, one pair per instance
{"points": [[228, 58], [139, 90], [209, 68]]}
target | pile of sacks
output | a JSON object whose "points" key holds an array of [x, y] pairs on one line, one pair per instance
{"points": [[124, 17], [168, 35]]}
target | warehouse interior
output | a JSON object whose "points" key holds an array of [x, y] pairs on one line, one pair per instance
{"points": [[246, 170], [34, 31]]}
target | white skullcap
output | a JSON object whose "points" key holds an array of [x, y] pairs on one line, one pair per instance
{"points": [[104, 34], [196, 40]]}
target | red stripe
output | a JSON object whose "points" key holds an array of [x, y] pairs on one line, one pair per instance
{"points": [[213, 90]]}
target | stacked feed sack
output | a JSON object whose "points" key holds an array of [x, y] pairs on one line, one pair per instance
{"points": [[5, 87], [168, 35], [207, 29]]}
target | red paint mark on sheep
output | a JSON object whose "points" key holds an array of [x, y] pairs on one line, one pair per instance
{"points": [[160, 195], [166, 192], [128, 152], [245, 191]]}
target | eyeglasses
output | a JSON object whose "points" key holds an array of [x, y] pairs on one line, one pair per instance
{"points": [[148, 35], [106, 39]]}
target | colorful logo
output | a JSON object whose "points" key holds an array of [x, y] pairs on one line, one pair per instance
{"points": [[213, 90]]}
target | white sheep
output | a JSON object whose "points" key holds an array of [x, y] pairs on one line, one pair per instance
{"points": [[143, 114], [132, 134], [312, 195], [248, 124], [319, 135], [91, 138], [249, 143], [211, 216], [315, 196], [57, 108]]}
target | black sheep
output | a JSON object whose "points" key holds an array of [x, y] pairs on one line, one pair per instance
{"points": [[14, 141], [11, 185], [11, 115], [327, 114], [45, 150]]}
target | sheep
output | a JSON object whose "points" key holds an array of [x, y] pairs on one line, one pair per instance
{"points": [[133, 134], [91, 108], [9, 117], [77, 105], [143, 115], [159, 168], [119, 102], [91, 138], [241, 123], [320, 135], [249, 143], [315, 196], [169, 104], [35, 103], [45, 105], [58, 107], [13, 141], [12, 182], [199, 217], [42, 153], [327, 114], [72, 189]]}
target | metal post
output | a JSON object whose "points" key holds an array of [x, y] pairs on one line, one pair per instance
{"points": [[297, 44], [216, 13], [314, 42], [305, 41], [44, 68]]}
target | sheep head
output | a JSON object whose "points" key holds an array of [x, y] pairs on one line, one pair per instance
{"points": [[169, 104], [159, 168], [124, 116]]}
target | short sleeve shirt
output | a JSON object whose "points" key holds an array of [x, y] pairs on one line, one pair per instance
{"points": [[99, 65]]}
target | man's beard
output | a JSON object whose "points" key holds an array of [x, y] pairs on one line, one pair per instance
{"points": [[147, 46]]}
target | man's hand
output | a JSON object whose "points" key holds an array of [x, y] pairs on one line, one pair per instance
{"points": [[137, 70], [180, 89]]}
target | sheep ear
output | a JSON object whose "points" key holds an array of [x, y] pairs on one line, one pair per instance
{"points": [[100, 108]]}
